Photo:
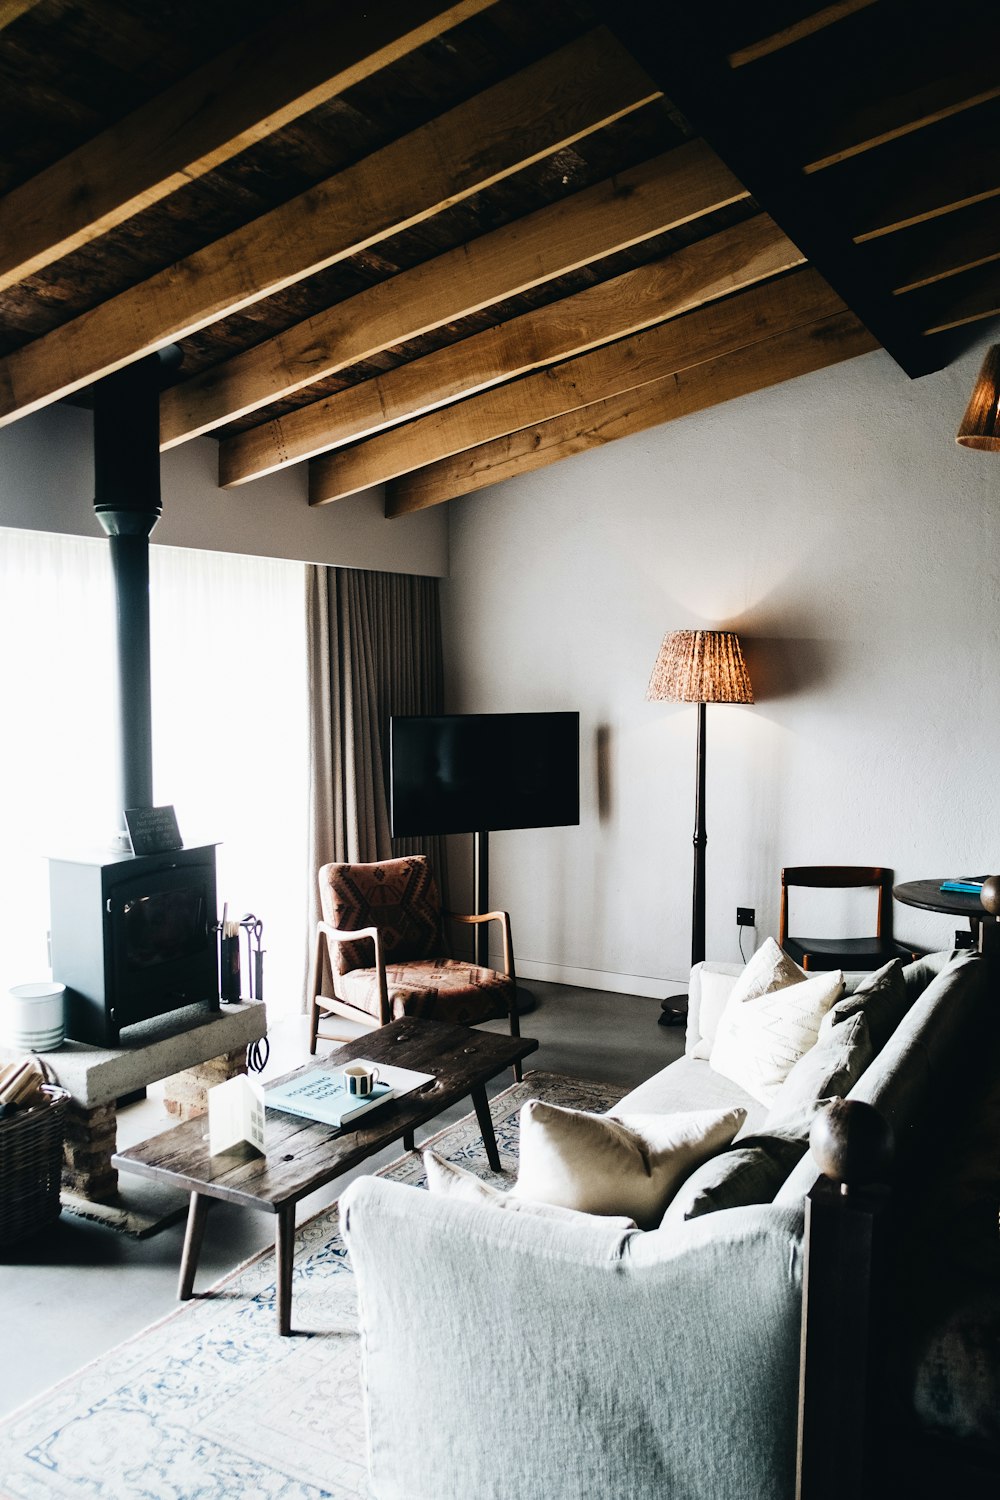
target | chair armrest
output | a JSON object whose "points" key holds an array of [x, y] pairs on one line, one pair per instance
{"points": [[574, 1360], [503, 918], [342, 935]]}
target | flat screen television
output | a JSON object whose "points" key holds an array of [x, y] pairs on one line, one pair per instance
{"points": [[474, 773]]}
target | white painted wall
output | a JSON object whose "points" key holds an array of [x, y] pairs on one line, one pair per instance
{"points": [[834, 523], [47, 484]]}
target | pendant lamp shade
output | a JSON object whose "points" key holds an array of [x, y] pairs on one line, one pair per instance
{"points": [[981, 424], [700, 666]]}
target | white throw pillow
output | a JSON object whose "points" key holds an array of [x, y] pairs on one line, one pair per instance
{"points": [[769, 969], [631, 1165], [714, 993], [760, 1040]]}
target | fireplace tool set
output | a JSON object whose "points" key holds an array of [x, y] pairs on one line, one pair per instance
{"points": [[230, 983]]}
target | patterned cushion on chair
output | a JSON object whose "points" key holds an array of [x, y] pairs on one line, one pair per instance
{"points": [[398, 896], [441, 989]]}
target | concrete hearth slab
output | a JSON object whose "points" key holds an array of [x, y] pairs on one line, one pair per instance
{"points": [[152, 1050]]}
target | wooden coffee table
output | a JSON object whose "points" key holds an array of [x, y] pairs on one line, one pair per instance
{"points": [[303, 1155]]}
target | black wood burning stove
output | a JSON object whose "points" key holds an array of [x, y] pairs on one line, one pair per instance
{"points": [[133, 936]]}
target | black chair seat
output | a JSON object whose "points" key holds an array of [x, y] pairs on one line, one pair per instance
{"points": [[817, 954]]}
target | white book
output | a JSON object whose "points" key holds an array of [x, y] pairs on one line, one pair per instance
{"points": [[235, 1115]]}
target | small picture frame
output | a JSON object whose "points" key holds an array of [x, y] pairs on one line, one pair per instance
{"points": [[153, 830]]}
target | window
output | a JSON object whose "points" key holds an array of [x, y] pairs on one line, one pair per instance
{"points": [[230, 732]]}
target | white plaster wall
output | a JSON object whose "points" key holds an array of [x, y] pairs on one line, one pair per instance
{"points": [[47, 484], [834, 523]]}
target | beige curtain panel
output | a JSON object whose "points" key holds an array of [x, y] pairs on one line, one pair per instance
{"points": [[374, 644]]}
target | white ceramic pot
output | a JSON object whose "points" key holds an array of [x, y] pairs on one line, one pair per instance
{"points": [[34, 1017]]}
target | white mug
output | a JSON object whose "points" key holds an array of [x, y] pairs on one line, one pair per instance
{"points": [[360, 1079]]}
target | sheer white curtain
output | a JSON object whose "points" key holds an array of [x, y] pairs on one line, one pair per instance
{"points": [[229, 732], [57, 717], [230, 737]]}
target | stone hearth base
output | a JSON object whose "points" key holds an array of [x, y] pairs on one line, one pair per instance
{"points": [[190, 1049]]}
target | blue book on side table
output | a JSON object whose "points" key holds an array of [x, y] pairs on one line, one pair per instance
{"points": [[971, 885]]}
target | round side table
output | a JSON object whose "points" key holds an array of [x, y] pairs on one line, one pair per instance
{"points": [[928, 895]]}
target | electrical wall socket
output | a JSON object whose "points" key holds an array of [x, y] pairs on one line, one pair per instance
{"points": [[746, 916]]}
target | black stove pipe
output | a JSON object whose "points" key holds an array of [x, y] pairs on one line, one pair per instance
{"points": [[127, 502]]}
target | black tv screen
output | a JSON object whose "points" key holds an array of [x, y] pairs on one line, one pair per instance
{"points": [[468, 773]]}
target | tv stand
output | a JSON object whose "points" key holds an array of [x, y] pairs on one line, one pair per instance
{"points": [[526, 1001]]}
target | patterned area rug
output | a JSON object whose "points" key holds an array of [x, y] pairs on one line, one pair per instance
{"points": [[210, 1403]]}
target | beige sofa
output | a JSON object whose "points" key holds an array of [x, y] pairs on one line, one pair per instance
{"points": [[506, 1355]]}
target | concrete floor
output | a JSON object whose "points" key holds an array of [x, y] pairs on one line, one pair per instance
{"points": [[80, 1289]]}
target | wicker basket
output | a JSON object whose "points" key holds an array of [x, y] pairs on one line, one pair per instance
{"points": [[31, 1149]]}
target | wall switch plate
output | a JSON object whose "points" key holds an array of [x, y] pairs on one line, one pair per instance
{"points": [[964, 939], [746, 916]]}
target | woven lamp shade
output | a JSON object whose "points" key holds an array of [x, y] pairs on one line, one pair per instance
{"points": [[981, 424], [700, 666]]}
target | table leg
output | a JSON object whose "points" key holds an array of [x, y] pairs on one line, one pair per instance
{"points": [[193, 1236], [408, 1141], [485, 1119], [284, 1248]]}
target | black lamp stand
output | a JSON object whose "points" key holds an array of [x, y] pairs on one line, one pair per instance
{"points": [[673, 1010]]}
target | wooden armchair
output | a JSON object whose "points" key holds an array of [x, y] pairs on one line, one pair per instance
{"points": [[381, 944]]}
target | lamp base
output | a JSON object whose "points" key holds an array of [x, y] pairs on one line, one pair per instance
{"points": [[673, 1011]]}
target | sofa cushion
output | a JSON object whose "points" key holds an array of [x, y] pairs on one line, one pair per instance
{"points": [[760, 1039], [687, 1084], [883, 998], [769, 969], [451, 1181], [749, 1171], [604, 1165], [715, 992], [828, 1070]]}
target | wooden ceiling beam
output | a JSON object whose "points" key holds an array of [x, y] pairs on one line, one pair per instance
{"points": [[921, 255], [717, 328], [912, 185], [753, 136], [908, 106], [12, 10], [646, 200], [314, 52], [571, 93], [969, 298], [798, 31], [787, 355], [714, 267]]}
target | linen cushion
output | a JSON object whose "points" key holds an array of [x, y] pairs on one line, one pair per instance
{"points": [[685, 1085], [881, 996], [715, 992], [439, 989], [750, 1171], [828, 1070], [451, 1181], [769, 969], [398, 896], [760, 1040], [604, 1165]]}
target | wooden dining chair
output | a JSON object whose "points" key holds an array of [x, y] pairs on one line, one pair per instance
{"points": [[381, 952], [863, 953]]}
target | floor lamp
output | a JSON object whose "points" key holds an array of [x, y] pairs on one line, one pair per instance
{"points": [[698, 666]]}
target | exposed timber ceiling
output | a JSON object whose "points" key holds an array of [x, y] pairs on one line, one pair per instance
{"points": [[439, 245]]}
